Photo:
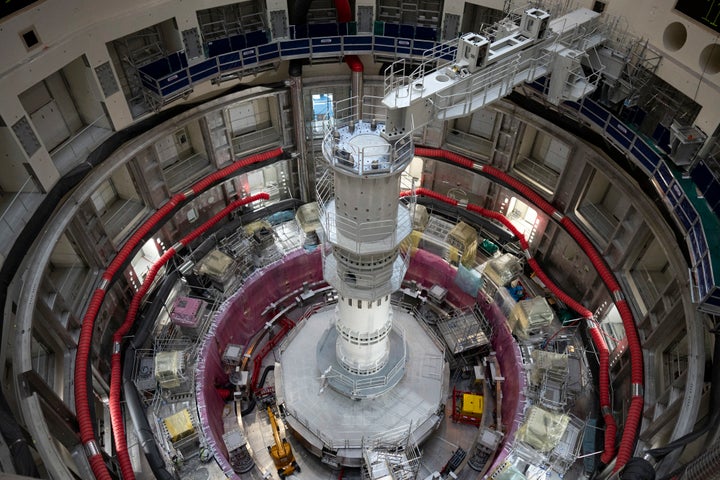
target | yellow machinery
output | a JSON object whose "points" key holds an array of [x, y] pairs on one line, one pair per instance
{"points": [[281, 452]]}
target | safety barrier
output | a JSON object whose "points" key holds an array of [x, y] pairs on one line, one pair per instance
{"points": [[172, 76]]}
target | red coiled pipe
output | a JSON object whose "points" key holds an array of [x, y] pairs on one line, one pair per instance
{"points": [[604, 393], [502, 219], [82, 407], [115, 406], [141, 233], [220, 174], [634, 415], [436, 196], [526, 191]]}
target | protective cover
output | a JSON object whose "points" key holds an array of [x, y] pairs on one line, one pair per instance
{"points": [[216, 265], [529, 316], [468, 280], [186, 311], [503, 269], [179, 425], [511, 473], [544, 361], [170, 368], [542, 429]]}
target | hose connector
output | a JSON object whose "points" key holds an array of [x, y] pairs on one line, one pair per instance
{"points": [[618, 295], [116, 348], [637, 390], [91, 448]]}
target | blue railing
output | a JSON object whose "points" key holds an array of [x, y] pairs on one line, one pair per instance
{"points": [[171, 76], [704, 250]]}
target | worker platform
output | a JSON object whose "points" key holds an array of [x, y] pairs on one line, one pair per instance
{"points": [[333, 425]]}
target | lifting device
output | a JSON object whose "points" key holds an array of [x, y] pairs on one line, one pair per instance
{"points": [[281, 452]]}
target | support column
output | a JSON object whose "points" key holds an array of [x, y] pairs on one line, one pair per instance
{"points": [[305, 164], [24, 151]]}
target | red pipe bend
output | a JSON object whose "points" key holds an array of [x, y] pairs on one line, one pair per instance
{"points": [[354, 62], [203, 184], [343, 11], [82, 408]]}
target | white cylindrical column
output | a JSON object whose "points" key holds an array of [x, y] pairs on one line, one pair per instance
{"points": [[363, 327], [364, 224]]}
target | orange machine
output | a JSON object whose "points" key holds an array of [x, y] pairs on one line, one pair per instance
{"points": [[281, 452]]}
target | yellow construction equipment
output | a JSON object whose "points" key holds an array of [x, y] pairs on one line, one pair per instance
{"points": [[281, 452]]}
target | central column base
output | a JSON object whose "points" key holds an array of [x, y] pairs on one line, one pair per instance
{"points": [[336, 427], [357, 386]]}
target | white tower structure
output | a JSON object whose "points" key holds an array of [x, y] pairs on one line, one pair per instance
{"points": [[364, 224], [345, 367]]}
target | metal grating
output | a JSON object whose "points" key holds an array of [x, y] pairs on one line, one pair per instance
{"points": [[191, 40], [279, 23], [25, 134], [107, 80]]}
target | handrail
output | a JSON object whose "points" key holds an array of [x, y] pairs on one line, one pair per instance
{"points": [[182, 79], [70, 140], [17, 194]]}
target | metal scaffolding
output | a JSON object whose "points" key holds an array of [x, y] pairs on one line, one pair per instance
{"points": [[391, 456]]}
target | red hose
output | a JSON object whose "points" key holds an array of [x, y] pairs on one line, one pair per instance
{"points": [[502, 219], [82, 407], [604, 386], [220, 174], [436, 196], [140, 233], [634, 416], [438, 152], [115, 405]]}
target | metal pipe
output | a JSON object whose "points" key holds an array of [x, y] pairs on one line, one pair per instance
{"points": [[305, 164], [706, 466], [357, 91]]}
